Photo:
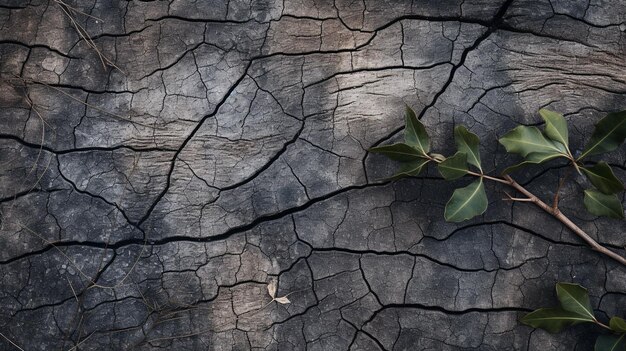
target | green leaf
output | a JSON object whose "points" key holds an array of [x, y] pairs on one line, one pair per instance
{"points": [[467, 202], [553, 320], [532, 158], [574, 298], [602, 177], [467, 143], [410, 169], [610, 343], [618, 325], [398, 152], [524, 140], [414, 132], [609, 134], [601, 204], [454, 167], [556, 126]]}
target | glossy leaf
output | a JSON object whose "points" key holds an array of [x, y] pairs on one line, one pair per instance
{"points": [[553, 320], [610, 343], [618, 325], [468, 143], [398, 152], [524, 140], [466, 202], [601, 204], [453, 167], [556, 126], [608, 135], [574, 298], [533, 158], [414, 132], [602, 177], [410, 169]]}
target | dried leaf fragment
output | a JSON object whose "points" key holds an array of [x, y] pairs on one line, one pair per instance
{"points": [[282, 300], [271, 289]]}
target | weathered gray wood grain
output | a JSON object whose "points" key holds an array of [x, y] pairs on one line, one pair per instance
{"points": [[148, 207]]}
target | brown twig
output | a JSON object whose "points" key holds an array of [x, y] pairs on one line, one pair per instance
{"points": [[518, 199], [553, 210], [556, 213]]}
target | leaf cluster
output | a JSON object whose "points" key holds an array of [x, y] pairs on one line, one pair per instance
{"points": [[574, 309], [414, 155], [536, 146]]}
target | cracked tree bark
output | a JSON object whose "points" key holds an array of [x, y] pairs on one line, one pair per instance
{"points": [[148, 207]]}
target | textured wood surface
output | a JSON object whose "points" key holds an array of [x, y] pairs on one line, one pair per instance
{"points": [[149, 206]]}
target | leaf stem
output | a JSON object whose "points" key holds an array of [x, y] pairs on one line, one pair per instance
{"points": [[602, 325], [574, 162], [482, 175]]}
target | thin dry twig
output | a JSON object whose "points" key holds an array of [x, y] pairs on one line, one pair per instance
{"points": [[82, 341], [11, 342], [25, 82], [93, 284], [125, 119], [79, 11], [40, 151], [82, 32], [72, 287]]}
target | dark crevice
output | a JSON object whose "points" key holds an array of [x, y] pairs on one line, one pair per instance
{"points": [[83, 149], [36, 46], [180, 238]]}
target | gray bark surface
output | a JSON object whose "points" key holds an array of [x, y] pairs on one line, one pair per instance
{"points": [[149, 206]]}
